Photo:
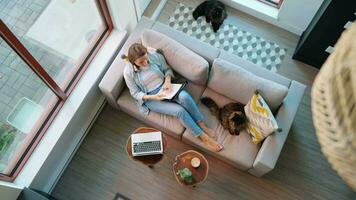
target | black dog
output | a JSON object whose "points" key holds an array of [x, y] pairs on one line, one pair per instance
{"points": [[214, 12]]}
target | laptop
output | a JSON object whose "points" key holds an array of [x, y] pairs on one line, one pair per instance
{"points": [[146, 144]]}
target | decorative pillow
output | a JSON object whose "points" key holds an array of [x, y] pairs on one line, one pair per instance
{"points": [[184, 61], [239, 84], [261, 122]]}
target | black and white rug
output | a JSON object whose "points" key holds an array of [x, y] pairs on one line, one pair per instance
{"points": [[239, 42]]}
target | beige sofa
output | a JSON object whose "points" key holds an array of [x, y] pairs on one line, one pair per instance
{"points": [[206, 78]]}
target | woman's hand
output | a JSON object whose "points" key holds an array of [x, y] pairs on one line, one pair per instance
{"points": [[167, 85], [157, 97]]}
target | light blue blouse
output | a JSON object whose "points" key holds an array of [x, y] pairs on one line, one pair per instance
{"points": [[136, 86]]}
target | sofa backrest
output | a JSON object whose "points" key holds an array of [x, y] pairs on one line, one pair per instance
{"points": [[207, 51], [239, 84], [255, 69], [210, 53], [184, 61]]}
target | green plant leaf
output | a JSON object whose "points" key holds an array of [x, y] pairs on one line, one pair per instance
{"points": [[7, 136]]}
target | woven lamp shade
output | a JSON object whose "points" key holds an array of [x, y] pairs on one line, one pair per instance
{"points": [[334, 107]]}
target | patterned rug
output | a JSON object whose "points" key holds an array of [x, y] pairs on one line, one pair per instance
{"points": [[239, 42]]}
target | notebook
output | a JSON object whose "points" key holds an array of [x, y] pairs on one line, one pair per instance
{"points": [[175, 89]]}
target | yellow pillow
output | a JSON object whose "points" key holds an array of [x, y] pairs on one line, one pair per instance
{"points": [[261, 122]]}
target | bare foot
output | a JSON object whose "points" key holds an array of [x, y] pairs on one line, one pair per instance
{"points": [[210, 143], [207, 130]]}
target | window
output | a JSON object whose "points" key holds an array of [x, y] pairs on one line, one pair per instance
{"points": [[45, 47]]}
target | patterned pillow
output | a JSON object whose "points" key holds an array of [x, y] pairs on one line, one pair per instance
{"points": [[261, 122]]}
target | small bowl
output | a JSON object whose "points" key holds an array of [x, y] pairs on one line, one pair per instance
{"points": [[195, 162]]}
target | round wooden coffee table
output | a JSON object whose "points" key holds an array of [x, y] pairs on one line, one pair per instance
{"points": [[149, 160], [199, 174]]}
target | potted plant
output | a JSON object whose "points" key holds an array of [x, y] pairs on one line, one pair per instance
{"points": [[7, 136], [186, 175]]}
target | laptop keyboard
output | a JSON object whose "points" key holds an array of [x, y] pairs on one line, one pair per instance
{"points": [[147, 146]]}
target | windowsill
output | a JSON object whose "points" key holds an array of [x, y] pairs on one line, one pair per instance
{"points": [[87, 84], [259, 7]]}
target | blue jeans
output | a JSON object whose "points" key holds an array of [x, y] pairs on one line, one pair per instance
{"points": [[182, 106]]}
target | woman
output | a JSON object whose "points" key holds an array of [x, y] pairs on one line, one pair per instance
{"points": [[146, 75]]}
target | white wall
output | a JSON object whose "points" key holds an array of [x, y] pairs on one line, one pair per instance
{"points": [[295, 15], [123, 14], [9, 191], [141, 6]]}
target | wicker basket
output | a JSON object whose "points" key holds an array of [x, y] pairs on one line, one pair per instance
{"points": [[334, 107]]}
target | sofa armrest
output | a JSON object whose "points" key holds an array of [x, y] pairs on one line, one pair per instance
{"points": [[271, 148], [113, 81]]}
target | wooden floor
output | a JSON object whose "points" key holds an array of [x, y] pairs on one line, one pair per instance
{"points": [[101, 167]]}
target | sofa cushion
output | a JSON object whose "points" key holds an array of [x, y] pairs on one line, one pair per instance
{"points": [[239, 84], [195, 90], [255, 69], [238, 150], [167, 124], [184, 61]]}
